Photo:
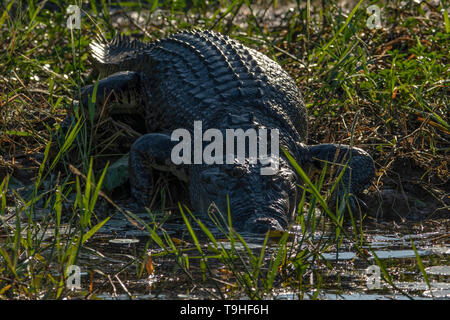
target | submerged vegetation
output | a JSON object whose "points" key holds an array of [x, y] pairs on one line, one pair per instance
{"points": [[384, 89]]}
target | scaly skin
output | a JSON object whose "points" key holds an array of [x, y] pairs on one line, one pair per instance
{"points": [[202, 75]]}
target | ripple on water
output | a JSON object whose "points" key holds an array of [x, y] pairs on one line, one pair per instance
{"points": [[438, 270], [400, 254], [123, 241]]}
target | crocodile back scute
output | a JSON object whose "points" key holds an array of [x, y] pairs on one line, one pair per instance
{"points": [[203, 75]]}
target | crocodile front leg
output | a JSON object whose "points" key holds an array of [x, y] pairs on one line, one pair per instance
{"points": [[357, 176], [151, 152]]}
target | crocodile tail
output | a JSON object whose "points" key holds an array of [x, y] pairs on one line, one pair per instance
{"points": [[120, 54]]}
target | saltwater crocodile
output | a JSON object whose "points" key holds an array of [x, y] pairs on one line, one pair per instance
{"points": [[208, 77]]}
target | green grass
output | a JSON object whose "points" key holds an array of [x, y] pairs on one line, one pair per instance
{"points": [[385, 90]]}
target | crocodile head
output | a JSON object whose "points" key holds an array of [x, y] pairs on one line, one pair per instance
{"points": [[257, 203]]}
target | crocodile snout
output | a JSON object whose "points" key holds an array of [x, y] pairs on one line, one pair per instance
{"points": [[262, 225]]}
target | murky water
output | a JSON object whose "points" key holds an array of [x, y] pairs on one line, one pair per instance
{"points": [[112, 260], [347, 278]]}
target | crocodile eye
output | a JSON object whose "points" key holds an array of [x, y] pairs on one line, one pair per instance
{"points": [[205, 178], [275, 182], [212, 178], [209, 175], [235, 171], [280, 183]]}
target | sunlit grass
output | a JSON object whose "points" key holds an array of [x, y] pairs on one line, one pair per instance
{"points": [[389, 88]]}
